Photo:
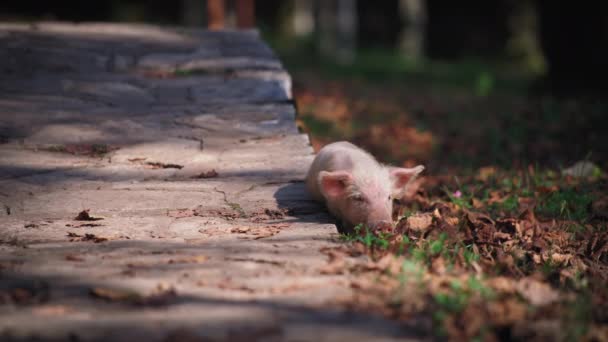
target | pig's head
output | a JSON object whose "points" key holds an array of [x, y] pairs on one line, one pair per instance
{"points": [[365, 198]]}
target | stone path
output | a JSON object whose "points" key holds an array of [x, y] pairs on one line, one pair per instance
{"points": [[183, 147]]}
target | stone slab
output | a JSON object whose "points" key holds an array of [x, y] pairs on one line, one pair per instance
{"points": [[182, 145]]}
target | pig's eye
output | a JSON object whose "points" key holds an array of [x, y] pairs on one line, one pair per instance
{"points": [[358, 198]]}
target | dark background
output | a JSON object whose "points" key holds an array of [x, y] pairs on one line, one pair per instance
{"points": [[573, 36], [502, 82]]}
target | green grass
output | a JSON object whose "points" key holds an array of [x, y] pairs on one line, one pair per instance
{"points": [[480, 77], [367, 237], [579, 316], [463, 201], [320, 127], [566, 203], [457, 298]]}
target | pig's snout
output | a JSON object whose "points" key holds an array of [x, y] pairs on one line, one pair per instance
{"points": [[382, 226]]}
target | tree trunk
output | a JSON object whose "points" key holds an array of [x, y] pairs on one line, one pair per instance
{"points": [[303, 23], [326, 28], [411, 40], [245, 14], [346, 30], [337, 29], [193, 12], [523, 44], [215, 14]]}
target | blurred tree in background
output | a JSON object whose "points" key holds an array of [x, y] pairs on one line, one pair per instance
{"points": [[568, 41]]}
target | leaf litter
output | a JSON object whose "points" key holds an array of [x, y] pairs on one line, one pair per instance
{"points": [[523, 268], [497, 241]]}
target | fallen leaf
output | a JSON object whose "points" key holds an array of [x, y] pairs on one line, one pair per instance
{"points": [[85, 216], [535, 292], [561, 259], [336, 266], [52, 310], [582, 169], [240, 230], [159, 165], [437, 214], [506, 312], [502, 284], [207, 174], [228, 284], [260, 232], [495, 197], [73, 257], [420, 222], [477, 203], [114, 295], [161, 296], [86, 237], [336, 263], [484, 173], [452, 221], [438, 266], [502, 236], [180, 213], [195, 259]]}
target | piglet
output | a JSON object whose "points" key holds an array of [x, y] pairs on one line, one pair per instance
{"points": [[356, 188]]}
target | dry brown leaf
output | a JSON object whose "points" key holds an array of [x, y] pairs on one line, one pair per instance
{"points": [[597, 333], [260, 232], [194, 259], [207, 174], [452, 221], [547, 189], [495, 197], [502, 284], [535, 292], [52, 310], [560, 258], [228, 284], [437, 214], [161, 296], [336, 263], [528, 215], [477, 204], [337, 266], [438, 266], [240, 230], [484, 173], [159, 165], [179, 213], [74, 257], [506, 312], [114, 295], [86, 237], [420, 222], [502, 236], [85, 216], [390, 264]]}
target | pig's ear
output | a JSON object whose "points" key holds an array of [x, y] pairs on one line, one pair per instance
{"points": [[334, 184], [401, 177]]}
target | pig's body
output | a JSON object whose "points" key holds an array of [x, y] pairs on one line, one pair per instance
{"points": [[355, 187]]}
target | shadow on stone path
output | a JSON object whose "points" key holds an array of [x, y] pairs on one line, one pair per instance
{"points": [[182, 144]]}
